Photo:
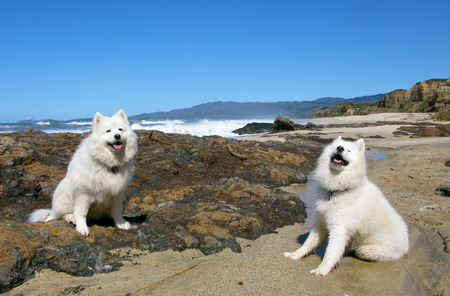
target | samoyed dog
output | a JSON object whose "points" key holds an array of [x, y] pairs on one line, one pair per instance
{"points": [[350, 211], [97, 176]]}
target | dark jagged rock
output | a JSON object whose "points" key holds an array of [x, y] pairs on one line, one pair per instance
{"points": [[284, 124], [420, 131], [280, 124], [187, 192], [254, 128], [444, 189]]}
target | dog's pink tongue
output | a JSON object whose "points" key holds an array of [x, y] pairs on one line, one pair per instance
{"points": [[117, 146]]}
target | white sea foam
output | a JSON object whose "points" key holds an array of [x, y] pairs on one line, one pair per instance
{"points": [[162, 122], [79, 123], [74, 131], [43, 123], [202, 127]]}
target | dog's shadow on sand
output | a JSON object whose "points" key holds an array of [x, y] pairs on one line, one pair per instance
{"points": [[108, 221], [320, 251]]}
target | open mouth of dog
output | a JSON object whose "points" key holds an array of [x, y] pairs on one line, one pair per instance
{"points": [[337, 159], [116, 146]]}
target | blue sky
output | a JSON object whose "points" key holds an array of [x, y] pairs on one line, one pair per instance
{"points": [[69, 59]]}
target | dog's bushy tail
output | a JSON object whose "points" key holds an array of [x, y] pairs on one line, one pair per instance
{"points": [[42, 215]]}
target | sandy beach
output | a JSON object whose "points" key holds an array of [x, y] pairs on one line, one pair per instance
{"points": [[408, 170]]}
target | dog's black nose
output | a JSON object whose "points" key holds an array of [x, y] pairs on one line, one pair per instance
{"points": [[340, 148], [117, 136]]}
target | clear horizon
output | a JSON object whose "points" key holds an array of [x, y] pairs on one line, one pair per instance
{"points": [[65, 60]]}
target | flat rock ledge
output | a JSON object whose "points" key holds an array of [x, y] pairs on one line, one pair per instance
{"points": [[187, 192]]}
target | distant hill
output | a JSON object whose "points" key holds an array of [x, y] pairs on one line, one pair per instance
{"points": [[248, 110], [348, 108], [427, 96]]}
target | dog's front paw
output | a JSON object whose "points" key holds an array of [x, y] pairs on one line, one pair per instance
{"points": [[84, 230], [320, 271], [69, 218], [292, 255], [125, 225]]}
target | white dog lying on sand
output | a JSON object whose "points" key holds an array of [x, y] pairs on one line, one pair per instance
{"points": [[97, 176], [351, 211]]}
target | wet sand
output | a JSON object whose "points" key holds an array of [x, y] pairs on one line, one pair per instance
{"points": [[408, 171]]}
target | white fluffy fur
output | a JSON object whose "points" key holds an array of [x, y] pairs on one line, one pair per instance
{"points": [[351, 212], [97, 176]]}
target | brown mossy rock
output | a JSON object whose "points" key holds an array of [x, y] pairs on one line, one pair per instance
{"points": [[187, 192], [27, 247], [227, 209]]}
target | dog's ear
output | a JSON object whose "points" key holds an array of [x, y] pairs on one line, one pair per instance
{"points": [[97, 119], [361, 145], [122, 114], [337, 139]]}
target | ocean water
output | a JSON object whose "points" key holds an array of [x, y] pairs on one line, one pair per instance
{"points": [[48, 126], [201, 127]]}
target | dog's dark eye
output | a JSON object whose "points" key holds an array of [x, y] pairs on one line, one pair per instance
{"points": [[120, 129], [108, 131]]}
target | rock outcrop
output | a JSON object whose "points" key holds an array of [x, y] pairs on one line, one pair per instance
{"points": [[255, 128], [424, 130], [284, 124], [280, 124], [187, 192]]}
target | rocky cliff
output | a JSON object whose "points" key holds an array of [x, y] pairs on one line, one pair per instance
{"points": [[187, 192], [428, 96]]}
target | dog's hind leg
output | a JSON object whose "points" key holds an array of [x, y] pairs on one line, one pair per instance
{"points": [[63, 200], [376, 253]]}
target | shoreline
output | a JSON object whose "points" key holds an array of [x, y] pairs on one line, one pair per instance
{"points": [[376, 136], [408, 176]]}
